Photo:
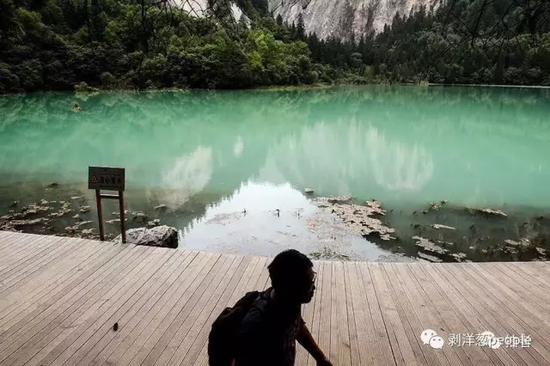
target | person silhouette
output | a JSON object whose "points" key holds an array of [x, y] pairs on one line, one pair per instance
{"points": [[268, 333]]}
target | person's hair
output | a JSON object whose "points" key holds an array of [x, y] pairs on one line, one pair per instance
{"points": [[287, 269]]}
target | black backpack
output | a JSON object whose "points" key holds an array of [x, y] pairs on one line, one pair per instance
{"points": [[221, 341]]}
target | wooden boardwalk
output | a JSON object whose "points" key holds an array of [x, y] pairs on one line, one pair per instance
{"points": [[60, 297]]}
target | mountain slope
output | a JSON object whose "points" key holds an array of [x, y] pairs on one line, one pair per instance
{"points": [[342, 18]]}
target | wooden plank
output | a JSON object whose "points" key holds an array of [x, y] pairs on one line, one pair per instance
{"points": [[26, 247], [71, 345], [151, 345], [16, 247], [27, 270], [307, 316], [62, 319], [246, 283], [447, 319], [340, 344], [18, 243], [167, 346], [521, 305], [21, 301], [323, 338], [361, 316], [533, 271], [489, 316], [27, 255], [468, 315], [424, 317], [385, 353], [523, 284], [258, 280], [173, 353], [128, 320], [54, 271], [5, 237], [45, 302], [315, 325], [355, 357], [153, 325], [55, 313], [60, 306], [407, 340], [15, 316], [401, 348], [520, 308], [424, 355], [197, 336]]}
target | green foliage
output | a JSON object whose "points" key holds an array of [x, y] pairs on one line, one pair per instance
{"points": [[465, 42], [57, 44]]}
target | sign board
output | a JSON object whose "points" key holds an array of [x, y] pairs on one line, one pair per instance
{"points": [[110, 179]]}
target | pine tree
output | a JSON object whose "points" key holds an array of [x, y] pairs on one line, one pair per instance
{"points": [[279, 20], [300, 28]]}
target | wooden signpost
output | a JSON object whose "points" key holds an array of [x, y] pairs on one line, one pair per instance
{"points": [[109, 179]]}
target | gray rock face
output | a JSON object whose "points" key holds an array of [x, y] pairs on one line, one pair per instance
{"points": [[159, 236], [342, 18]]}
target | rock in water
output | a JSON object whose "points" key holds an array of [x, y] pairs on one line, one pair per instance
{"points": [[429, 246], [359, 218], [155, 222], [489, 212], [440, 226], [161, 207], [87, 232], [340, 199], [140, 217], [308, 191], [53, 185], [459, 257], [159, 236], [428, 257]]}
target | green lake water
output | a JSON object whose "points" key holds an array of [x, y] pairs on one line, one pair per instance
{"points": [[211, 155]]}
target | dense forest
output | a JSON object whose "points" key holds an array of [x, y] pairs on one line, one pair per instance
{"points": [[143, 44]]}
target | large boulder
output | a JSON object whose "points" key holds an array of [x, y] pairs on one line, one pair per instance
{"points": [[159, 236]]}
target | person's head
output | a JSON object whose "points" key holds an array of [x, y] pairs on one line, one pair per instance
{"points": [[292, 276]]}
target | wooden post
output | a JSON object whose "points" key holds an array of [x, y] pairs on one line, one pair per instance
{"points": [[122, 218], [99, 214], [108, 179]]}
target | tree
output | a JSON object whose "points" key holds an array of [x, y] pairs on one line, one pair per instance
{"points": [[9, 26], [300, 28]]}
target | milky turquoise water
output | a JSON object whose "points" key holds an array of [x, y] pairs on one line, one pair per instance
{"points": [[258, 150]]}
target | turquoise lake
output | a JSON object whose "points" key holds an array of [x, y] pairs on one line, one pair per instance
{"points": [[212, 156]]}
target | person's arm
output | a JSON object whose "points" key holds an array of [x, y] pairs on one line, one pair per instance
{"points": [[306, 340]]}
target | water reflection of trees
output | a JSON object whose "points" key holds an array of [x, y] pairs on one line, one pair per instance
{"points": [[348, 158], [189, 175], [149, 132]]}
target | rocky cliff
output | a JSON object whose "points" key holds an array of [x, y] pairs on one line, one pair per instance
{"points": [[342, 18], [337, 18]]}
